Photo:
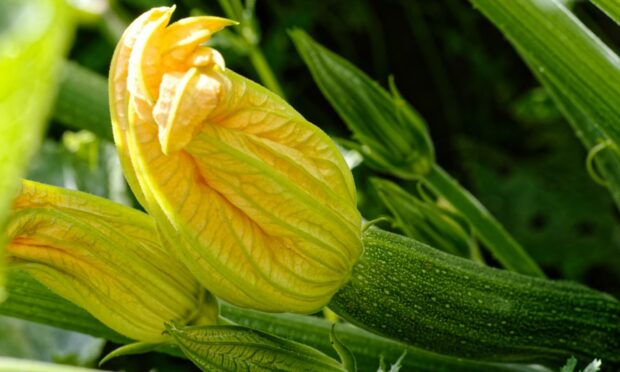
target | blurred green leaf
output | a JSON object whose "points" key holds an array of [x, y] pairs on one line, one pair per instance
{"points": [[239, 348], [535, 107], [83, 101], [580, 71], [26, 340], [81, 162], [30, 300], [19, 365], [34, 35], [549, 203], [611, 7]]}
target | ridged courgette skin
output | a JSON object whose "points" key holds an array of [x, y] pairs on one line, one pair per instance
{"points": [[410, 292]]}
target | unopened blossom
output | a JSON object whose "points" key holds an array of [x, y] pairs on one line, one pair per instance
{"points": [[103, 257], [256, 201]]}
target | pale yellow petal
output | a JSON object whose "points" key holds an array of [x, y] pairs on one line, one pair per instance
{"points": [[185, 101], [103, 257]]}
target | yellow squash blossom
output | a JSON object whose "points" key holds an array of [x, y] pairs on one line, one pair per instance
{"points": [[257, 202], [105, 258]]}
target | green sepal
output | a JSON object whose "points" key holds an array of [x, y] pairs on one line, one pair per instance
{"points": [[231, 348], [423, 219], [130, 349], [394, 138], [344, 353]]}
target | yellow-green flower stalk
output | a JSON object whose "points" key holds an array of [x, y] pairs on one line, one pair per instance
{"points": [[258, 202], [105, 258]]}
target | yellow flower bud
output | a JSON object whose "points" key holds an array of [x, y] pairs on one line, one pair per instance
{"points": [[104, 257], [258, 202]]}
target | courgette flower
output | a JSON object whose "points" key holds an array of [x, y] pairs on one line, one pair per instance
{"points": [[257, 202], [105, 258]]}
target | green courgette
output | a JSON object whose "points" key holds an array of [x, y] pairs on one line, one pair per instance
{"points": [[407, 291]]}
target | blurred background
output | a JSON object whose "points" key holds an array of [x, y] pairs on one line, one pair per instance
{"points": [[493, 127]]}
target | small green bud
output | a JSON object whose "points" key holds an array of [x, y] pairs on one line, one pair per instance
{"points": [[392, 136]]}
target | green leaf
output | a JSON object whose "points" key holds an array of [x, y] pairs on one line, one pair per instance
{"points": [[30, 300], [611, 7], [346, 356], [578, 69], [232, 348], [34, 35], [366, 346], [391, 132]]}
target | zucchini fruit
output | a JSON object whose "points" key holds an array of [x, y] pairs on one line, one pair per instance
{"points": [[410, 292]]}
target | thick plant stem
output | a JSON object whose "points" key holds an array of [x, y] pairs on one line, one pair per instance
{"points": [[495, 238], [410, 292]]}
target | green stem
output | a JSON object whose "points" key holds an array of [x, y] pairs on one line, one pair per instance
{"points": [[82, 101], [446, 304], [265, 73], [233, 9], [495, 238]]}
